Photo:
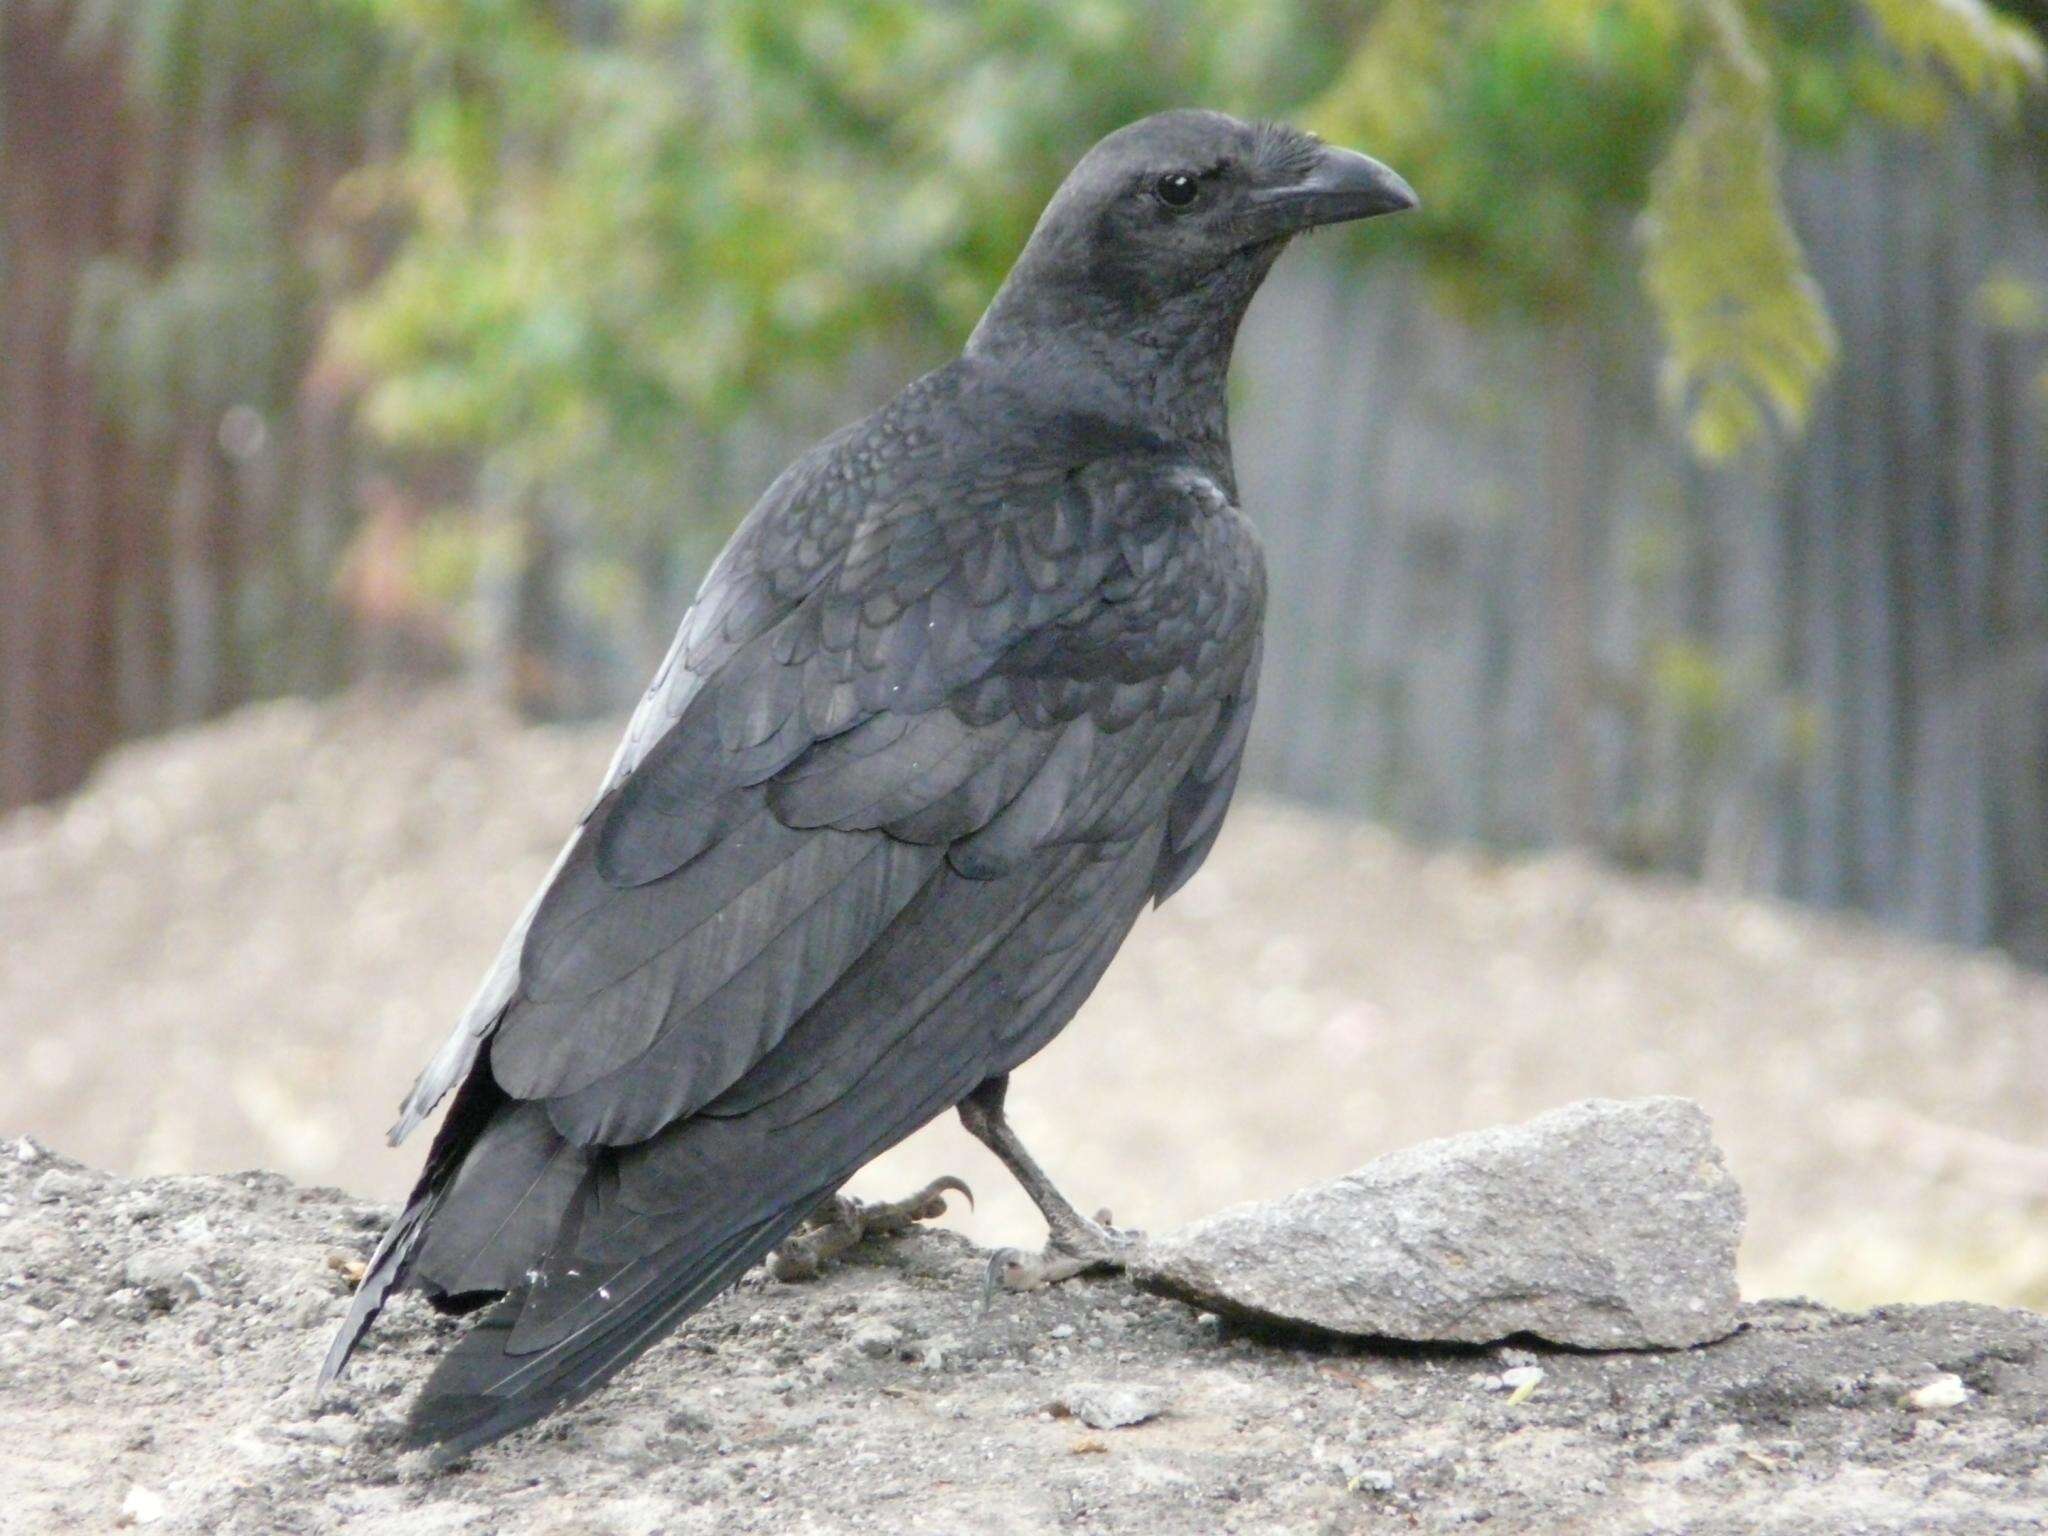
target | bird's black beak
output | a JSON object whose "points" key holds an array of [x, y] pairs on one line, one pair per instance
{"points": [[1341, 186]]}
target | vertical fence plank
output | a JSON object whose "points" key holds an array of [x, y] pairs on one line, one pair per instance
{"points": [[1822, 672]]}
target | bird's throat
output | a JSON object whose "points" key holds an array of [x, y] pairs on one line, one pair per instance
{"points": [[1160, 363]]}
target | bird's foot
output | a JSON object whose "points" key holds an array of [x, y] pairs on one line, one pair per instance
{"points": [[1078, 1247], [842, 1223]]}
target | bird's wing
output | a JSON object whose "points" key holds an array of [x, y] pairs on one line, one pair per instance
{"points": [[775, 560], [901, 821], [1196, 814], [807, 792]]}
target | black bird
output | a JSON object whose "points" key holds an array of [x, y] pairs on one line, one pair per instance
{"points": [[966, 690]]}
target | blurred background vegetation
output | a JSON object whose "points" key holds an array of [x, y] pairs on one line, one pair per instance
{"points": [[340, 336]]}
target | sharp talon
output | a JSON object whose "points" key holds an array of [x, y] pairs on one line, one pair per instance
{"points": [[929, 1203], [996, 1261], [1011, 1269]]}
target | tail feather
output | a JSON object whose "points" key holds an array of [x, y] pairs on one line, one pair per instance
{"points": [[391, 1265], [502, 1209], [481, 1391], [383, 1275]]}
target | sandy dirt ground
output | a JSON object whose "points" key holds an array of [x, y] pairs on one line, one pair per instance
{"points": [[238, 944], [158, 1342]]}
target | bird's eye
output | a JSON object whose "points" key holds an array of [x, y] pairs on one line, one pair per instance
{"points": [[1177, 190]]}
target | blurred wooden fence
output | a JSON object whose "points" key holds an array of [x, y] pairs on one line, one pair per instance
{"points": [[154, 577], [1508, 609]]}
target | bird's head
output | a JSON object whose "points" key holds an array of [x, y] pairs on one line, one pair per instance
{"points": [[1164, 230], [1171, 196]]}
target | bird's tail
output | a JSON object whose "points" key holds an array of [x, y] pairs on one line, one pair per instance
{"points": [[493, 1381], [383, 1275], [391, 1264]]}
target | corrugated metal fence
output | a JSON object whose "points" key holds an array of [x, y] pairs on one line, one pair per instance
{"points": [[1508, 609]]}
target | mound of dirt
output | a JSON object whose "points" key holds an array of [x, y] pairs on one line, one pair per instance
{"points": [[158, 1342], [236, 946]]}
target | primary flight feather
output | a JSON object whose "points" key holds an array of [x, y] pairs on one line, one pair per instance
{"points": [[967, 689]]}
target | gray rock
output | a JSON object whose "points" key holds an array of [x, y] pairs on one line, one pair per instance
{"points": [[61, 1184], [1101, 1406], [1607, 1224], [166, 1276], [878, 1341]]}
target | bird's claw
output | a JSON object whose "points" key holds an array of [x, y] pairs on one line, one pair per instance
{"points": [[887, 1219], [1088, 1247], [841, 1223], [1012, 1269], [1097, 1243]]}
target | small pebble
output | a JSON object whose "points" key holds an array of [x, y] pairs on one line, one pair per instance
{"points": [[1110, 1407], [877, 1341], [59, 1184], [167, 1276], [1945, 1391], [142, 1506], [1521, 1382]]}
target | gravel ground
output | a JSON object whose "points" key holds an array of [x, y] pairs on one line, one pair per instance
{"points": [[238, 944], [158, 1341]]}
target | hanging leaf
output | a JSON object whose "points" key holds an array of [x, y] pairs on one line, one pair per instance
{"points": [[1747, 335], [1990, 56], [1389, 91]]}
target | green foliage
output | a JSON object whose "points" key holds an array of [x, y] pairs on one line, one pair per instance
{"points": [[1529, 125], [700, 207], [1535, 127], [1989, 55], [608, 229], [1747, 330], [222, 325], [222, 309]]}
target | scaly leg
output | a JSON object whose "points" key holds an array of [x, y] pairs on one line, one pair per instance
{"points": [[1075, 1245]]}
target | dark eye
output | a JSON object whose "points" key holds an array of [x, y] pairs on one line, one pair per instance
{"points": [[1177, 190]]}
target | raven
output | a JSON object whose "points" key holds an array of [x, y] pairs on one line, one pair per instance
{"points": [[967, 689]]}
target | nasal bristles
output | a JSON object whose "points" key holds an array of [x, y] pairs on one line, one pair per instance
{"points": [[1284, 151]]}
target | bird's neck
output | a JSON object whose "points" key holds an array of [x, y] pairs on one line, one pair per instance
{"points": [[1159, 366]]}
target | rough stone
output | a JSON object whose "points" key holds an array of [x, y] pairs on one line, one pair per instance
{"points": [[1107, 1405], [60, 1184], [1607, 1224], [166, 1276], [876, 1340]]}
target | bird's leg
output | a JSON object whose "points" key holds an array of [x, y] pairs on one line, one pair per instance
{"points": [[840, 1223], [1074, 1244]]}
